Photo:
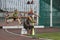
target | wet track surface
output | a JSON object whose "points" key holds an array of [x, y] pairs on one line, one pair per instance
{"points": [[6, 36]]}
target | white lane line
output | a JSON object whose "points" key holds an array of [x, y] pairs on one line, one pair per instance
{"points": [[17, 34]]}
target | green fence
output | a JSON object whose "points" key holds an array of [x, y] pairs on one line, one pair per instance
{"points": [[44, 12]]}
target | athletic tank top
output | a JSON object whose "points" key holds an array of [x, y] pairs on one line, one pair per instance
{"points": [[15, 14], [29, 22]]}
